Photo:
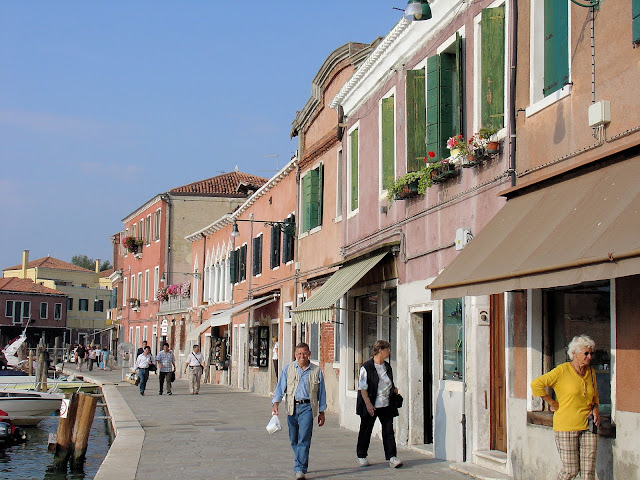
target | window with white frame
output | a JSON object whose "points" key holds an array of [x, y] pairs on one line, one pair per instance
{"points": [[147, 230], [550, 54], [44, 310], [314, 341], [156, 223], [353, 169], [146, 285], [387, 144], [124, 289], [133, 286], [257, 255], [19, 311], [139, 287], [156, 281], [57, 311], [311, 185]]}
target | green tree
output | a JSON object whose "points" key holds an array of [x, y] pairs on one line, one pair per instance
{"points": [[89, 263]]}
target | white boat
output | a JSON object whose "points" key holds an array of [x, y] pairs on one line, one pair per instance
{"points": [[22, 404]]}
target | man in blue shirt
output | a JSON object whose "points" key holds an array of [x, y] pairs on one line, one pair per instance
{"points": [[306, 397]]}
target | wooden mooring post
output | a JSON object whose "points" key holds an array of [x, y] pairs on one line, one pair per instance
{"points": [[84, 418], [64, 435]]}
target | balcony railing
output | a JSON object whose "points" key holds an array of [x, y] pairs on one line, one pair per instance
{"points": [[175, 304]]}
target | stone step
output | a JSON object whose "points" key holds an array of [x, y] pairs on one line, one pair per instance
{"points": [[491, 459], [478, 472]]}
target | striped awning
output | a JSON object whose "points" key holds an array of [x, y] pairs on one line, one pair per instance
{"points": [[319, 308]]}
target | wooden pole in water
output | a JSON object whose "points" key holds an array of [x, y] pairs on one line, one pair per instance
{"points": [[65, 430], [30, 359], [40, 365], [84, 419], [56, 351]]}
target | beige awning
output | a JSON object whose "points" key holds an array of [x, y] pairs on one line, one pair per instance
{"points": [[583, 229], [319, 308], [223, 317]]}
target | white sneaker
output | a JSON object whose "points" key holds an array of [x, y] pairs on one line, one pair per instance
{"points": [[364, 462], [395, 462]]}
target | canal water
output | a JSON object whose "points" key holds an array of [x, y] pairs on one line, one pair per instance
{"points": [[32, 461]]}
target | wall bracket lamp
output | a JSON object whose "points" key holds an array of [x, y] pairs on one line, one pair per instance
{"points": [[417, 10], [195, 275], [287, 227]]}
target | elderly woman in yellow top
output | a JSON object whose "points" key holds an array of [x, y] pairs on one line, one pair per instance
{"points": [[575, 386]]}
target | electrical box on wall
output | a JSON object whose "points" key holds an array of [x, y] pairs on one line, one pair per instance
{"points": [[599, 113], [463, 235]]}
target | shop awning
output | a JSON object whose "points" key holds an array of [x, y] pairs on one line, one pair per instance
{"points": [[319, 308], [223, 317], [583, 229]]}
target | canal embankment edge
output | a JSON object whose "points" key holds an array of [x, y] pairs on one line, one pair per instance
{"points": [[123, 456]]}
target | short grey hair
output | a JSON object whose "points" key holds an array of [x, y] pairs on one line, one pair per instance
{"points": [[579, 343]]}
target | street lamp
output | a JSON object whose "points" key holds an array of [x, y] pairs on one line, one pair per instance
{"points": [[287, 227], [417, 10]]}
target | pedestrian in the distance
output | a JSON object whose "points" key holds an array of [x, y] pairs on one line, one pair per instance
{"points": [[576, 409], [274, 355], [141, 349], [93, 355], [375, 389], [303, 385], [144, 360], [195, 366], [105, 358], [81, 353], [166, 365]]}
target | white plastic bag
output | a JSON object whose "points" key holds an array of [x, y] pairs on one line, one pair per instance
{"points": [[274, 424]]}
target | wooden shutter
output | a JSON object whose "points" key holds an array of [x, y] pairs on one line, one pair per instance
{"points": [[274, 257], [354, 170], [448, 115], [257, 256], [458, 101], [319, 197], [635, 15], [288, 241], [492, 67], [243, 263], [388, 142], [306, 202], [314, 194], [416, 119], [233, 266], [556, 45], [433, 87]]}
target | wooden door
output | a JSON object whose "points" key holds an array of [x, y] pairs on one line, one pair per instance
{"points": [[497, 369]]}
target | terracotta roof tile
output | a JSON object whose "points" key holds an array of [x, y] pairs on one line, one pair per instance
{"points": [[50, 262], [225, 184], [107, 273], [27, 286]]}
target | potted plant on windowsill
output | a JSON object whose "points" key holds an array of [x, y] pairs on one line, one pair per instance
{"points": [[413, 183], [488, 134], [132, 244], [443, 171]]}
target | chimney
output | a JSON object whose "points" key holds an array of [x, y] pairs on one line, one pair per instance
{"points": [[97, 265], [25, 261]]}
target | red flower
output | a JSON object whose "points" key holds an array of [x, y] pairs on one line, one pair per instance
{"points": [[431, 154]]}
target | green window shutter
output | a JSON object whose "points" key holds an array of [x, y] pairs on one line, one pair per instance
{"points": [[635, 15], [416, 119], [233, 267], [306, 202], [458, 99], [448, 114], [320, 194], [257, 256], [354, 170], [388, 142], [492, 67], [556, 45], [433, 88], [314, 194], [274, 258], [242, 269]]}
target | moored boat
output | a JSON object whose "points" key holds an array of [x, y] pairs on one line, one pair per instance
{"points": [[27, 407]]}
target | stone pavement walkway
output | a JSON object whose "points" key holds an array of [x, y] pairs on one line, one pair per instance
{"points": [[220, 434]]}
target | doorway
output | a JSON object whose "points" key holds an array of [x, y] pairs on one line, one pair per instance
{"points": [[498, 415], [427, 376]]}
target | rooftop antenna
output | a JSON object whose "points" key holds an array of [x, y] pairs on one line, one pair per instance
{"points": [[272, 155]]}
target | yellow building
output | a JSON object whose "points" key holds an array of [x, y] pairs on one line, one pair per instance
{"points": [[89, 293]]}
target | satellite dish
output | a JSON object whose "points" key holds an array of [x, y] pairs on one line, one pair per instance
{"points": [[341, 124]]}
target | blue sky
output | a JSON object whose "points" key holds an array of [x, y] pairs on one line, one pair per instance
{"points": [[104, 104]]}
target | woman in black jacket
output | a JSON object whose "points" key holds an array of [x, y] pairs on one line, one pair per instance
{"points": [[375, 392]]}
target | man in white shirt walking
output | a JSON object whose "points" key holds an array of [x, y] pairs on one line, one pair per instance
{"points": [[195, 366], [144, 360]]}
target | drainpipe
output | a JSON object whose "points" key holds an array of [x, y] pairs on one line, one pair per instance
{"points": [[296, 263], [245, 380], [513, 26]]}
